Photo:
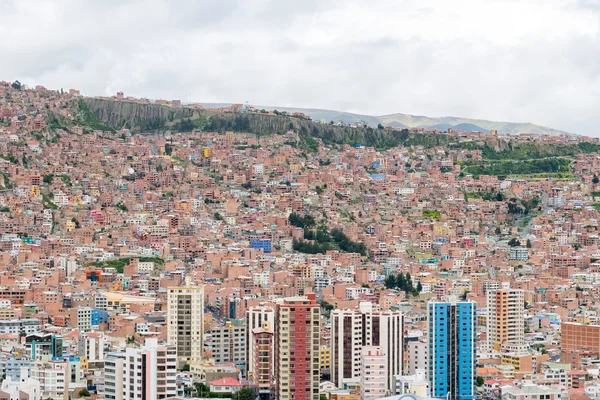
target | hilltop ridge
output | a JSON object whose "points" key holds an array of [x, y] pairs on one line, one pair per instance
{"points": [[399, 120]]}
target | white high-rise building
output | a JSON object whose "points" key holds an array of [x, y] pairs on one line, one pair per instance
{"points": [[146, 373], [113, 376], [185, 321], [21, 387], [256, 317], [373, 377], [91, 346], [417, 357], [227, 344], [57, 377], [505, 319], [352, 330]]}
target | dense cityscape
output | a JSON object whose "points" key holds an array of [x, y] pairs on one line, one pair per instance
{"points": [[216, 255]]}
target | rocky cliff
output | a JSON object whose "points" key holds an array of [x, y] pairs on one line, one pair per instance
{"points": [[136, 116], [141, 117]]}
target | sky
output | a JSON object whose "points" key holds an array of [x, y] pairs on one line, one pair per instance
{"points": [[506, 60]]}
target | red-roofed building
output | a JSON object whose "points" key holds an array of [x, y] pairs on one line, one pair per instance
{"points": [[225, 385]]}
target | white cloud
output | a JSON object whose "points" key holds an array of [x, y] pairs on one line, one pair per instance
{"points": [[515, 60]]}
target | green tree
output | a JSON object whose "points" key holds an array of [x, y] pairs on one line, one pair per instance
{"points": [[202, 390], [390, 281], [326, 307], [244, 394], [480, 381], [186, 367], [595, 179], [419, 287], [409, 283], [401, 281], [514, 242], [379, 126], [529, 244], [84, 393], [47, 179]]}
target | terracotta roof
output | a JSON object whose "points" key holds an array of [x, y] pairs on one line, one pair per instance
{"points": [[226, 382]]}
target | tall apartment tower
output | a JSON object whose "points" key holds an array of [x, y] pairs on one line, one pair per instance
{"points": [[416, 357], [146, 373], [185, 321], [227, 344], [297, 347], [352, 330], [262, 368], [374, 376], [451, 327], [505, 319], [256, 317]]}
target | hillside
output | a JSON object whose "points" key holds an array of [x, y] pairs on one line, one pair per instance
{"points": [[500, 157], [415, 121], [140, 117]]}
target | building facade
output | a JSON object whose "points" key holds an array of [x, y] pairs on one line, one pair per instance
{"points": [[374, 374], [228, 344], [257, 317], [145, 373], [185, 321], [297, 342], [351, 330], [505, 322], [262, 369], [451, 328]]}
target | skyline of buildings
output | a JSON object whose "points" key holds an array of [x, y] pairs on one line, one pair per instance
{"points": [[225, 249]]}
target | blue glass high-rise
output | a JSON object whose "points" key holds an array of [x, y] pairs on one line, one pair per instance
{"points": [[452, 349]]}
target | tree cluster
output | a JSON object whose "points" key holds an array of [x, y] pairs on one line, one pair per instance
{"points": [[307, 221], [523, 206], [404, 283], [319, 240]]}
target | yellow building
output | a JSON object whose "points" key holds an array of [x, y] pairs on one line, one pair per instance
{"points": [[69, 226], [84, 363], [302, 270], [440, 229], [35, 190], [343, 395], [120, 300], [325, 355], [7, 313], [206, 152]]}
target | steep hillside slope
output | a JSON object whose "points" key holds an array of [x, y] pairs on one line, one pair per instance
{"points": [[399, 120]]}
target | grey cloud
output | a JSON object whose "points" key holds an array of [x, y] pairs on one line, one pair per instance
{"points": [[303, 53]]}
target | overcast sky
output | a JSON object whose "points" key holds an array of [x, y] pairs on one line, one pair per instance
{"points": [[512, 60]]}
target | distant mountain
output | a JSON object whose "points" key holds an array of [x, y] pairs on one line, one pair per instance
{"points": [[470, 128], [418, 121]]}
